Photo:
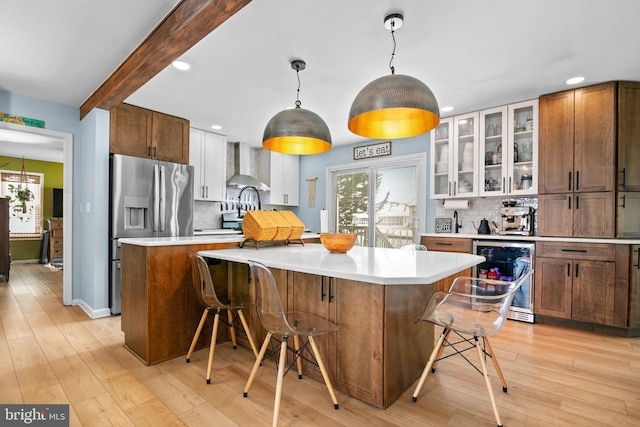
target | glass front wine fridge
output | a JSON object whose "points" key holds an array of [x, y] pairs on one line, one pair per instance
{"points": [[507, 260]]}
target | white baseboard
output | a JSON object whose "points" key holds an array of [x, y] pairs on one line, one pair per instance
{"points": [[94, 314]]}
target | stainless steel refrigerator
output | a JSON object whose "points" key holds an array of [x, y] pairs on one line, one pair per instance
{"points": [[149, 198]]}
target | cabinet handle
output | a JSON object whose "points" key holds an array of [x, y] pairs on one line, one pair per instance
{"points": [[638, 258], [577, 180], [449, 188], [624, 178], [444, 244], [577, 267], [322, 294], [330, 289], [568, 270], [624, 201], [207, 191], [569, 198], [155, 152], [569, 181], [577, 202], [504, 185], [510, 187], [455, 184], [584, 251], [149, 151]]}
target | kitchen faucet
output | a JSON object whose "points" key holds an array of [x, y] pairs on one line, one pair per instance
{"points": [[240, 195], [455, 219]]}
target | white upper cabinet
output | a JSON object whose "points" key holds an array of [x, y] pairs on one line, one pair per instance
{"points": [[493, 152], [208, 156], [509, 150], [454, 154], [284, 179]]}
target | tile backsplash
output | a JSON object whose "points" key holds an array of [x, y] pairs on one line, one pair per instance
{"points": [[488, 208]]}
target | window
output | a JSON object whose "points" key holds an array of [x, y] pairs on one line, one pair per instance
{"points": [[25, 219], [382, 201]]}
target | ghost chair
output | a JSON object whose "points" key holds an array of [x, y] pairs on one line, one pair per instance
{"points": [[473, 308], [285, 324], [206, 294]]}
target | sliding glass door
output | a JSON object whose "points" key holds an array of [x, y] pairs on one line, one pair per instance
{"points": [[383, 201]]}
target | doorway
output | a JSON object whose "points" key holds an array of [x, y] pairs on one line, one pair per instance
{"points": [[18, 141]]}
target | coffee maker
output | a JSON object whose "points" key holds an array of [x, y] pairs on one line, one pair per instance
{"points": [[517, 220]]}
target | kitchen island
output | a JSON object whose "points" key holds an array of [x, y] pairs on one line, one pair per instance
{"points": [[159, 307], [373, 294]]}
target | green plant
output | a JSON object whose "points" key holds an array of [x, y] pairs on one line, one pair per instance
{"points": [[18, 198]]}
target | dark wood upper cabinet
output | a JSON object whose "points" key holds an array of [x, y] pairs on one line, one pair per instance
{"points": [[139, 132], [629, 136], [555, 139], [577, 140]]}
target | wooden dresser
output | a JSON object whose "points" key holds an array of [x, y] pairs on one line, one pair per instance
{"points": [[55, 239], [5, 258]]}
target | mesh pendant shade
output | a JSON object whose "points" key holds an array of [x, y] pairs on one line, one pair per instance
{"points": [[394, 106], [297, 131]]}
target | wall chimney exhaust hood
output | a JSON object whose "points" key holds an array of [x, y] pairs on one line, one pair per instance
{"points": [[242, 168]]}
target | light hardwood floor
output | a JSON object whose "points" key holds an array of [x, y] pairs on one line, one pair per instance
{"points": [[50, 353]]}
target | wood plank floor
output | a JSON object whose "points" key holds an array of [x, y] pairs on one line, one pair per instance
{"points": [[50, 353]]}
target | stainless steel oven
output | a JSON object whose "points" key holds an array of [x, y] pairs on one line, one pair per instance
{"points": [[508, 261]]}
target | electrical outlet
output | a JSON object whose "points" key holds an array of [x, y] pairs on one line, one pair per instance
{"points": [[440, 211]]}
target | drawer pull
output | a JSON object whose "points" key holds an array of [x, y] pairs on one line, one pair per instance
{"points": [[583, 251], [322, 294], [624, 201], [638, 257], [444, 244]]}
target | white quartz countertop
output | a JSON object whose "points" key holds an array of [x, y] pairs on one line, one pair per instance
{"points": [[372, 265], [193, 240], [533, 238]]}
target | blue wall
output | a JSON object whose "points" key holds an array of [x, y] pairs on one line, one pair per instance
{"points": [[90, 185], [315, 166]]}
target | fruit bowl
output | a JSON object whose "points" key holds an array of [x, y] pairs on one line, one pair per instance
{"points": [[337, 243]]}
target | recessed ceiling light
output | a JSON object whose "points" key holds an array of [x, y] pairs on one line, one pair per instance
{"points": [[181, 65], [216, 127], [575, 80], [446, 109]]}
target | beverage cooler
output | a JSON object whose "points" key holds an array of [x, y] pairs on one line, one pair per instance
{"points": [[509, 261]]}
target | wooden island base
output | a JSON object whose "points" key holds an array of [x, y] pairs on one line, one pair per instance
{"points": [[378, 352]]}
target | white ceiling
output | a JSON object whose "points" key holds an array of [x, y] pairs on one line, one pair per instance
{"points": [[473, 55]]}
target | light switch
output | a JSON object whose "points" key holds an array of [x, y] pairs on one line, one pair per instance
{"points": [[88, 209]]}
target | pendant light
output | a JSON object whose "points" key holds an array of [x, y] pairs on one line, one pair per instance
{"points": [[296, 130], [395, 106]]}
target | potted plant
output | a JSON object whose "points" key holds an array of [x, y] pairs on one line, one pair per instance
{"points": [[18, 198]]}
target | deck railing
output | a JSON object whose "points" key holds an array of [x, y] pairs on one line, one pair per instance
{"points": [[384, 239]]}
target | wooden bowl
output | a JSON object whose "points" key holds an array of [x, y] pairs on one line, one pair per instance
{"points": [[337, 243]]}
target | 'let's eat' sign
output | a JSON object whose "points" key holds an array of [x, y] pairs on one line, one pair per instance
{"points": [[375, 150]]}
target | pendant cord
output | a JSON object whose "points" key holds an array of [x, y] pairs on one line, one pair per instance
{"points": [[393, 53], [298, 103]]}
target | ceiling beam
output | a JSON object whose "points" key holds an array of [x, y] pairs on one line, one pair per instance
{"points": [[188, 23]]}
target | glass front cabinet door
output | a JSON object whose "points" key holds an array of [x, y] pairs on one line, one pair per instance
{"points": [[441, 159], [509, 150], [522, 175], [465, 155]]}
